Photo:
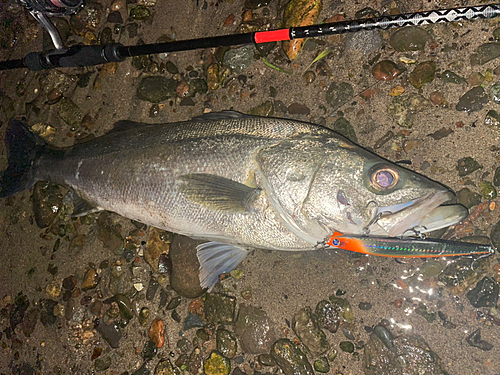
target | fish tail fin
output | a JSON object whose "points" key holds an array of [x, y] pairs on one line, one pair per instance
{"points": [[23, 148], [217, 258]]}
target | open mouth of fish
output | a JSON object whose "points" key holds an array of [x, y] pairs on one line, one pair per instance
{"points": [[421, 215]]}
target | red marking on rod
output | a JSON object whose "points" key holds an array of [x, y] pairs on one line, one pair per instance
{"points": [[272, 36]]}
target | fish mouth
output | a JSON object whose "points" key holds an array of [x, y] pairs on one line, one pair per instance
{"points": [[421, 215]]}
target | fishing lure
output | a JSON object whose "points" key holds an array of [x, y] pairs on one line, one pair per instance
{"points": [[405, 247]]}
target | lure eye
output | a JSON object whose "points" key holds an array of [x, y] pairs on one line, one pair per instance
{"points": [[384, 178], [335, 242]]}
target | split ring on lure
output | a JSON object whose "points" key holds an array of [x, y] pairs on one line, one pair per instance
{"points": [[405, 248]]}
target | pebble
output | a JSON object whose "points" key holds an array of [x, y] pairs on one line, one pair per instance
{"points": [[165, 367], [90, 280], [344, 127], [322, 365], [115, 17], [226, 343], [450, 77], [473, 100], [157, 332], [255, 330], [467, 165], [484, 53], [216, 364], [365, 42], [405, 109], [496, 177], [219, 308], [239, 59], [327, 316], [386, 70], [158, 243], [125, 306], [184, 278], [144, 316], [140, 13], [263, 110], [431, 268], [409, 38], [347, 346], [339, 93], [149, 351], [422, 74], [156, 89], [308, 331], [474, 339], [192, 321], [484, 294], [343, 307], [110, 333], [267, 360], [102, 363], [309, 77], [213, 77], [298, 109], [437, 98], [492, 119], [365, 306], [441, 133], [290, 358], [487, 190]]}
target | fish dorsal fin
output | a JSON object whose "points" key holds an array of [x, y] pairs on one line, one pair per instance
{"points": [[124, 125], [217, 258], [217, 193], [222, 115]]}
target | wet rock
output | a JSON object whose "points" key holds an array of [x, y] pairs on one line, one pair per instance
{"points": [[47, 317], [473, 100], [173, 303], [409, 355], [290, 358], [404, 110], [115, 17], [265, 109], [487, 190], [365, 306], [256, 4], [171, 67], [156, 89], [185, 267], [339, 93], [143, 370], [496, 177], [213, 77], [347, 346], [267, 360], [102, 363], [195, 363], [216, 364], [422, 74], [158, 243], [149, 351], [198, 86], [492, 119], [125, 306], [239, 59], [308, 331], [111, 238], [255, 331], [140, 13], [29, 321], [431, 268], [485, 293], [386, 70], [495, 235], [110, 333], [461, 274], [384, 139], [165, 367], [365, 42], [192, 321], [152, 289], [425, 313], [467, 165], [157, 332], [322, 365], [47, 202], [219, 308], [485, 52], [450, 77], [327, 316], [309, 77], [226, 343], [495, 93], [90, 280], [474, 339], [343, 307], [441, 133], [344, 127], [298, 109], [144, 316], [299, 13], [87, 19], [69, 112], [16, 315], [409, 38]]}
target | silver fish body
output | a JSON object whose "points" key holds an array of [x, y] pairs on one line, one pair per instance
{"points": [[244, 182]]}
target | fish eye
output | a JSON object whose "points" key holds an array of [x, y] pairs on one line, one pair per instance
{"points": [[384, 178]]}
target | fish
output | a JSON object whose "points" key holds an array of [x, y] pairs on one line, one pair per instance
{"points": [[238, 182]]}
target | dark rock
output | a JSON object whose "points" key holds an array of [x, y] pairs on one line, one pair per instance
{"points": [[410, 38], [339, 93], [266, 360], [492, 119], [449, 77], [344, 127], [347, 346], [165, 367], [474, 339], [424, 312], [327, 316], [47, 202], [238, 59], [174, 302], [16, 316], [110, 333], [290, 358], [485, 293], [422, 74], [298, 109], [115, 17], [140, 13], [125, 306], [467, 198], [343, 307], [156, 89], [185, 267], [255, 331], [467, 165], [192, 321], [264, 110], [365, 306], [171, 67], [307, 330], [485, 52], [460, 271], [441, 133], [487, 190], [219, 308], [226, 343], [322, 365], [386, 70], [29, 321], [473, 100], [152, 289], [47, 316], [102, 363], [149, 351]]}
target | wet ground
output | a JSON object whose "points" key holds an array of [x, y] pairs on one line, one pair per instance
{"points": [[95, 294]]}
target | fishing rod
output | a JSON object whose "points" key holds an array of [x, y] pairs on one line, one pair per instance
{"points": [[81, 55]]}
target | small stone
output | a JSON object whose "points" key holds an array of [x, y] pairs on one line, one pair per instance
{"points": [[226, 343], [192, 321], [174, 302], [165, 367], [437, 98], [404, 109], [485, 52], [267, 360], [69, 112], [308, 331], [171, 67], [467, 165], [496, 177], [347, 346], [144, 316], [255, 330], [158, 243], [90, 280], [240, 58], [309, 77], [219, 308], [492, 119], [343, 307], [409, 38], [125, 306], [450, 77], [115, 17], [365, 306], [384, 139], [476, 79], [473, 100], [149, 351], [467, 198], [103, 363], [431, 268], [474, 339], [423, 312], [298, 109], [422, 74], [396, 91], [198, 86], [290, 358], [484, 294], [213, 77], [321, 365], [263, 110], [156, 89], [157, 332], [344, 127], [386, 70], [216, 364], [441, 133], [110, 333], [327, 316], [47, 202], [339, 93], [487, 190], [364, 42], [140, 13]]}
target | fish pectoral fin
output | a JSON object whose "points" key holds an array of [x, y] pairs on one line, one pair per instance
{"points": [[218, 193], [217, 258], [82, 207]]}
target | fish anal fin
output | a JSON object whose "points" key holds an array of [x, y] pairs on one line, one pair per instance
{"points": [[218, 193], [217, 258]]}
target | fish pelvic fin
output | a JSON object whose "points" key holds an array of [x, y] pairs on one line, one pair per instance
{"points": [[23, 148], [217, 258], [218, 193]]}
